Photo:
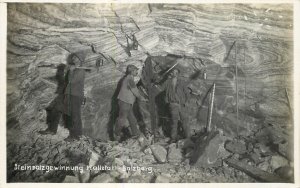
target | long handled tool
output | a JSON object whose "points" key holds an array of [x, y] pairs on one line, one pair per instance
{"points": [[237, 90], [211, 105], [170, 69]]}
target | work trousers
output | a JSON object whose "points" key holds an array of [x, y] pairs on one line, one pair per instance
{"points": [[54, 113], [145, 122], [72, 118], [53, 117], [126, 112], [179, 112]]}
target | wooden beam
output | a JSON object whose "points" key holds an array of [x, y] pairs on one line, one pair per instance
{"points": [[255, 172]]}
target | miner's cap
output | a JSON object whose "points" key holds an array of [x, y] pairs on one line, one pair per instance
{"points": [[176, 68], [81, 55], [131, 68]]}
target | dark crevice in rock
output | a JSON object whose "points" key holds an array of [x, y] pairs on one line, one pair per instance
{"points": [[135, 23], [32, 49], [150, 8]]}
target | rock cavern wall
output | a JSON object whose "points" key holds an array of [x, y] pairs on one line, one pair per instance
{"points": [[41, 36]]}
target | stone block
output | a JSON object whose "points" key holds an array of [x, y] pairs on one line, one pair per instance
{"points": [[208, 153], [84, 174], [148, 159], [286, 150], [163, 179], [286, 172], [174, 155], [278, 161], [118, 162], [136, 179], [236, 147], [114, 173], [159, 152], [263, 149], [264, 165], [103, 178], [148, 151], [71, 179], [185, 143], [94, 157]]}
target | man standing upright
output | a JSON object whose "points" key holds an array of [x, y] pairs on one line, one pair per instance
{"points": [[126, 98], [55, 108], [177, 95], [74, 95]]}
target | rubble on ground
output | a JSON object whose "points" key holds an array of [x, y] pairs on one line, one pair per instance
{"points": [[205, 158]]}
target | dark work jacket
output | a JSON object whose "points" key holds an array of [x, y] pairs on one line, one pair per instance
{"points": [[180, 94], [75, 83], [74, 88]]}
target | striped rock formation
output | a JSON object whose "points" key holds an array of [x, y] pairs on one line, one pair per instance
{"points": [[258, 38]]}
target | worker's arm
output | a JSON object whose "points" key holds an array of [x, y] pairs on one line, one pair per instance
{"points": [[135, 91], [158, 83]]}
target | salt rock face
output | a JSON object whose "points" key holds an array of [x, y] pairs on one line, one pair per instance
{"points": [[212, 36]]}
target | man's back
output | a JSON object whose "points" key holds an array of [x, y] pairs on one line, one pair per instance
{"points": [[126, 95]]}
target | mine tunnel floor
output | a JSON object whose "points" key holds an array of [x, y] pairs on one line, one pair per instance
{"points": [[140, 161]]}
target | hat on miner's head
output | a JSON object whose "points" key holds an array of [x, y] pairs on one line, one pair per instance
{"points": [[176, 68], [81, 55], [131, 68], [61, 66]]}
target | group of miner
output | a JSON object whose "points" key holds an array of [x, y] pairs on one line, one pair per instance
{"points": [[70, 96]]}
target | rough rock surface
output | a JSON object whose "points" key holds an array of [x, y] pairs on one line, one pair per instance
{"points": [[174, 154], [209, 38], [236, 147], [103, 178], [163, 179], [212, 152], [278, 161], [41, 36], [159, 152], [71, 179], [129, 165]]}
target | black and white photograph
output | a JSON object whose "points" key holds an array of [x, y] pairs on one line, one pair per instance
{"points": [[150, 93]]}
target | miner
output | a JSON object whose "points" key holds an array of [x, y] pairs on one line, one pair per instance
{"points": [[55, 109], [126, 98], [74, 95], [176, 97]]}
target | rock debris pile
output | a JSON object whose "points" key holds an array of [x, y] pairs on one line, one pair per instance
{"points": [[206, 157]]}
